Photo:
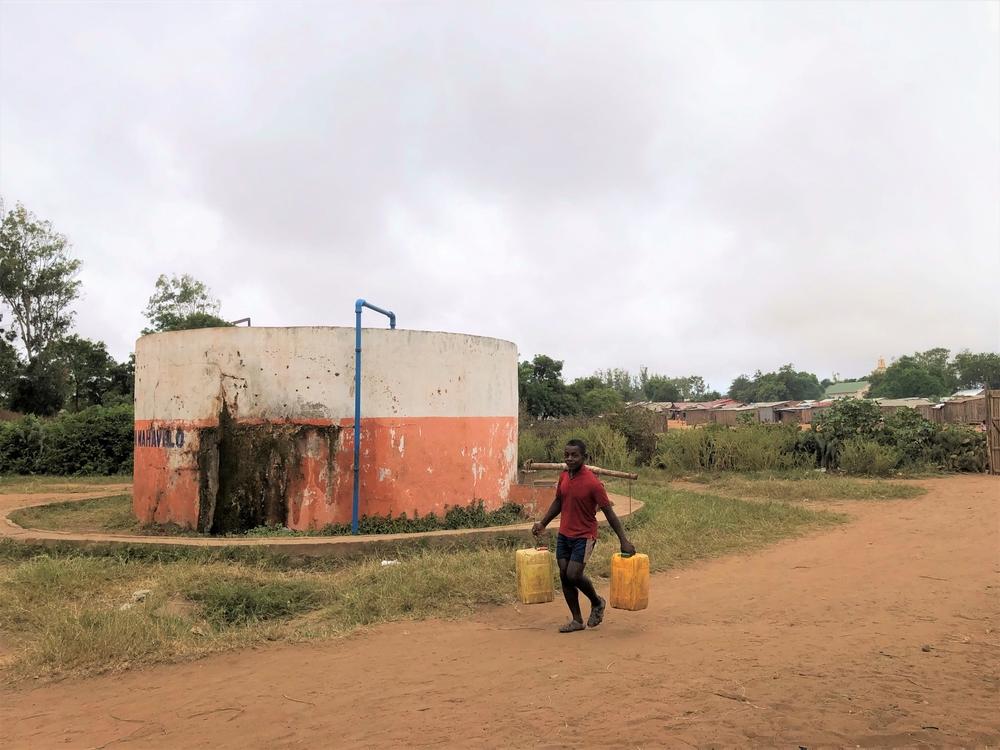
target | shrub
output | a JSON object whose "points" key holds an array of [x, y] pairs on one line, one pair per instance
{"points": [[20, 446], [98, 440], [869, 458], [910, 434], [638, 425], [746, 448], [531, 446], [686, 450], [958, 448], [849, 418], [608, 448], [913, 440]]}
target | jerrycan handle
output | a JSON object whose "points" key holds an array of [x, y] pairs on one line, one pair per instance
{"points": [[541, 542], [626, 555]]}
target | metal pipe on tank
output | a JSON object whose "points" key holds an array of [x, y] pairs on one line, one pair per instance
{"points": [[358, 305]]}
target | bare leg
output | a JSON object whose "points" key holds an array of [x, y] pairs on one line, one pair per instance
{"points": [[569, 590], [574, 571]]}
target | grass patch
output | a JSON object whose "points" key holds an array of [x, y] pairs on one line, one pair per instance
{"points": [[796, 486], [111, 515], [106, 514], [61, 612], [16, 484], [244, 600]]}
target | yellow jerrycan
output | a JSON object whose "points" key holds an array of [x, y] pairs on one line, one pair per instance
{"points": [[534, 575], [629, 581]]}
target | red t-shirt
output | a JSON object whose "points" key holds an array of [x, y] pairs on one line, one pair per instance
{"points": [[581, 496]]}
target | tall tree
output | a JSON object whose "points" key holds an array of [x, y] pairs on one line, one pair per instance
{"points": [[621, 380], [662, 388], [86, 370], [10, 370], [978, 370], [786, 384], [181, 302], [907, 378], [37, 279], [600, 401], [40, 388], [542, 389], [123, 379]]}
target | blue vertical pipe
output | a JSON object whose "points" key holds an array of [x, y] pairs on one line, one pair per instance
{"points": [[358, 305]]}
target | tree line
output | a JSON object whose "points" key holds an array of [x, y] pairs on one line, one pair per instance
{"points": [[544, 393], [45, 367]]}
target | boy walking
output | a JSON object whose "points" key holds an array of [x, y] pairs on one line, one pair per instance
{"points": [[578, 496]]}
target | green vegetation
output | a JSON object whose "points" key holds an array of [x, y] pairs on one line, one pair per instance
{"points": [[784, 385], [869, 458], [107, 515], [934, 373], [902, 441], [182, 302], [111, 515], [62, 613], [851, 436], [244, 600], [751, 447], [545, 395], [38, 283], [97, 440], [804, 486], [13, 484], [545, 442]]}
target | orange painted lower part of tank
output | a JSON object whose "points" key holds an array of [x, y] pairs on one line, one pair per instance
{"points": [[408, 465]]}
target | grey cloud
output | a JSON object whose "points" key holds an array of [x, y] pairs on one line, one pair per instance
{"points": [[702, 188]]}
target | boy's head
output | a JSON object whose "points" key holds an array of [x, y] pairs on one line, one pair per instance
{"points": [[574, 454]]}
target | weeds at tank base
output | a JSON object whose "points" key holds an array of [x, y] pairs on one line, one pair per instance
{"points": [[78, 612], [474, 516]]}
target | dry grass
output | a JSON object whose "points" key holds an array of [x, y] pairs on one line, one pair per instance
{"points": [[805, 487], [19, 485], [104, 515], [60, 613]]}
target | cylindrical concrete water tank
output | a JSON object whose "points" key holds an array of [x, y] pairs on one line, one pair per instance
{"points": [[238, 427]]}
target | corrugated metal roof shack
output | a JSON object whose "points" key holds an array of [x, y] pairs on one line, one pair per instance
{"points": [[699, 412], [803, 413], [965, 410], [699, 416], [767, 412], [660, 411], [922, 406], [730, 415]]}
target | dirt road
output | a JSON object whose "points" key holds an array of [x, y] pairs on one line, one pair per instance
{"points": [[881, 632]]}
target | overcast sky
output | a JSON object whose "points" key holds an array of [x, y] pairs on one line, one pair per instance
{"points": [[707, 188]]}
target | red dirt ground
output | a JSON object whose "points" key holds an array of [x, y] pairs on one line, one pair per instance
{"points": [[881, 632]]}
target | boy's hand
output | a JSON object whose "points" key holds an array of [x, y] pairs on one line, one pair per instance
{"points": [[627, 547], [537, 528]]}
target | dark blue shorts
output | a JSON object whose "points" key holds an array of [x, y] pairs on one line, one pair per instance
{"points": [[575, 549]]}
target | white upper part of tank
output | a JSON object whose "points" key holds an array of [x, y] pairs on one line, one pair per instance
{"points": [[308, 373]]}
